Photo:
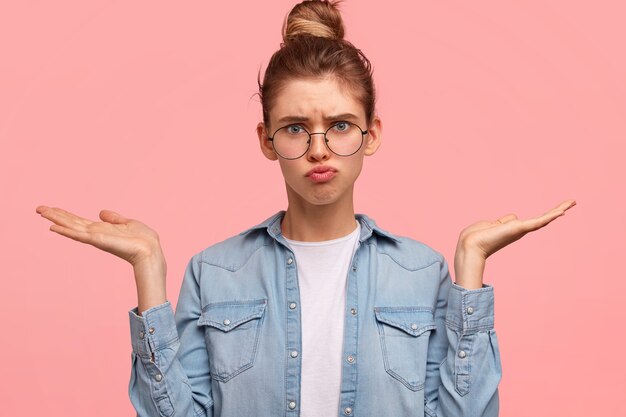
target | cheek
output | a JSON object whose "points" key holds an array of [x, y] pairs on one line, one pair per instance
{"points": [[355, 166], [288, 169]]}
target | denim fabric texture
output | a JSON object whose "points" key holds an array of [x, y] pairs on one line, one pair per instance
{"points": [[415, 343]]}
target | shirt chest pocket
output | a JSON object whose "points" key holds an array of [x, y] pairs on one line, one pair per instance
{"points": [[231, 331], [404, 333]]}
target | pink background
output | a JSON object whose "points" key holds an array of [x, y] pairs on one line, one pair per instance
{"points": [[146, 108]]}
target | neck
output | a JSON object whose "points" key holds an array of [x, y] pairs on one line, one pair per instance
{"points": [[313, 223]]}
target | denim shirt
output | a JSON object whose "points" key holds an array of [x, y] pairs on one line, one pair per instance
{"points": [[415, 343]]}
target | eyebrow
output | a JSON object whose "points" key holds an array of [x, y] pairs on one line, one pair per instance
{"points": [[292, 119]]}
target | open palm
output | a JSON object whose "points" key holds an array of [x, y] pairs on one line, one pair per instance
{"points": [[487, 237], [481, 239], [126, 238]]}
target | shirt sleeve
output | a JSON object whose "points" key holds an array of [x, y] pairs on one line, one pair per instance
{"points": [[170, 369], [463, 365]]}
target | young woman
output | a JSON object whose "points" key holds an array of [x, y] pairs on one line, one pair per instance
{"points": [[315, 311]]}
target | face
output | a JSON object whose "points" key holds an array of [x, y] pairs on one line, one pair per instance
{"points": [[313, 105]]}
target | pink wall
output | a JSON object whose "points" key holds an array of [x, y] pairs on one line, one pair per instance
{"points": [[146, 108]]}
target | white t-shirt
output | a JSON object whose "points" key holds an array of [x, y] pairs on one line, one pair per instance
{"points": [[322, 276]]}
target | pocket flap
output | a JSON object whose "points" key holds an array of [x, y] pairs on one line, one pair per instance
{"points": [[227, 315], [412, 320]]}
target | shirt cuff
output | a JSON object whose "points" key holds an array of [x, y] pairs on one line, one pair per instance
{"points": [[470, 311], [153, 330]]}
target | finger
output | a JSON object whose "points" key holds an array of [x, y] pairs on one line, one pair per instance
{"points": [[567, 204], [64, 218], [541, 221], [507, 218], [77, 235], [113, 217]]}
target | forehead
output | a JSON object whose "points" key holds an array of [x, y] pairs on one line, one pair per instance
{"points": [[315, 99]]}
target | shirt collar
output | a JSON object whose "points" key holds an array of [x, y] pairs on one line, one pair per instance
{"points": [[368, 226]]}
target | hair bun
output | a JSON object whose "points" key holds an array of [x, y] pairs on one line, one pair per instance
{"points": [[320, 18]]}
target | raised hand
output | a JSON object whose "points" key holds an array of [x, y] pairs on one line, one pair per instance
{"points": [[480, 240], [126, 238]]}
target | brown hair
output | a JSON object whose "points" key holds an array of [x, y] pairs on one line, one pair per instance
{"points": [[313, 47]]}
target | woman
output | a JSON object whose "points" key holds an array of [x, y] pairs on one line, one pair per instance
{"points": [[316, 311]]}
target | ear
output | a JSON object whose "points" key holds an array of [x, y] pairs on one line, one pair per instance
{"points": [[373, 137], [265, 143]]}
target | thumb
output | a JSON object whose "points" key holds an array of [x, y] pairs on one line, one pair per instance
{"points": [[112, 217]]}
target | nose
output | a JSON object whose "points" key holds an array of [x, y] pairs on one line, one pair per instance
{"points": [[318, 151]]}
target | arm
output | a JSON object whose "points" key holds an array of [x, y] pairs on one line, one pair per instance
{"points": [[463, 366], [170, 367]]}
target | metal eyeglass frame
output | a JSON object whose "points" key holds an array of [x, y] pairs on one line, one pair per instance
{"points": [[363, 133]]}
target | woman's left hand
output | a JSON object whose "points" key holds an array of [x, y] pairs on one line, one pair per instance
{"points": [[480, 240]]}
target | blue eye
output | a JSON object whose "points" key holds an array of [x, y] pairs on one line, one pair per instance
{"points": [[294, 129], [342, 126]]}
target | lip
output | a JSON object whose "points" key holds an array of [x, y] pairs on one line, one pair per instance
{"points": [[320, 169], [321, 174]]}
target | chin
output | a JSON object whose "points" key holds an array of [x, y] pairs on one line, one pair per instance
{"points": [[318, 196]]}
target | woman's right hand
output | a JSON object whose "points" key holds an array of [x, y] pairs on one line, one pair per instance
{"points": [[126, 238]]}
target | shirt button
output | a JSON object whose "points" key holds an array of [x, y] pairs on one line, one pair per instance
{"points": [[354, 267], [462, 354], [294, 354], [292, 405], [226, 322], [141, 334], [292, 305], [151, 330], [347, 411], [289, 261], [350, 358], [470, 310], [413, 326], [158, 377], [353, 311]]}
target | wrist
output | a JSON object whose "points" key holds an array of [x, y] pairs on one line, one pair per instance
{"points": [[469, 267], [150, 277]]}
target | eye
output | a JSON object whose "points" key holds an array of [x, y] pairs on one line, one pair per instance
{"points": [[341, 126], [294, 129]]}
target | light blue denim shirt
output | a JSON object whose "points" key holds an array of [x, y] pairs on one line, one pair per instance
{"points": [[415, 343]]}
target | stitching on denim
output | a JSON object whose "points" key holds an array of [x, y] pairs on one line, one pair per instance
{"points": [[154, 309], [458, 327], [152, 395], [285, 324], [197, 279], [429, 412], [465, 373], [404, 309], [235, 268], [237, 323], [352, 369], [403, 381], [411, 332], [223, 377], [428, 325], [407, 268], [239, 303], [406, 383], [219, 325], [160, 346]]}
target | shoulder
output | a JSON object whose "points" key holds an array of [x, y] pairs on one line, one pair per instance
{"points": [[233, 252], [408, 252]]}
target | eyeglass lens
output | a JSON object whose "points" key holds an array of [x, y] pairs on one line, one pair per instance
{"points": [[293, 141]]}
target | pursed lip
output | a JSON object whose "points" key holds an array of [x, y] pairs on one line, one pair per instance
{"points": [[320, 169]]}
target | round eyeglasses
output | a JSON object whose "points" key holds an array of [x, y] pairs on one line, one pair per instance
{"points": [[342, 138]]}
